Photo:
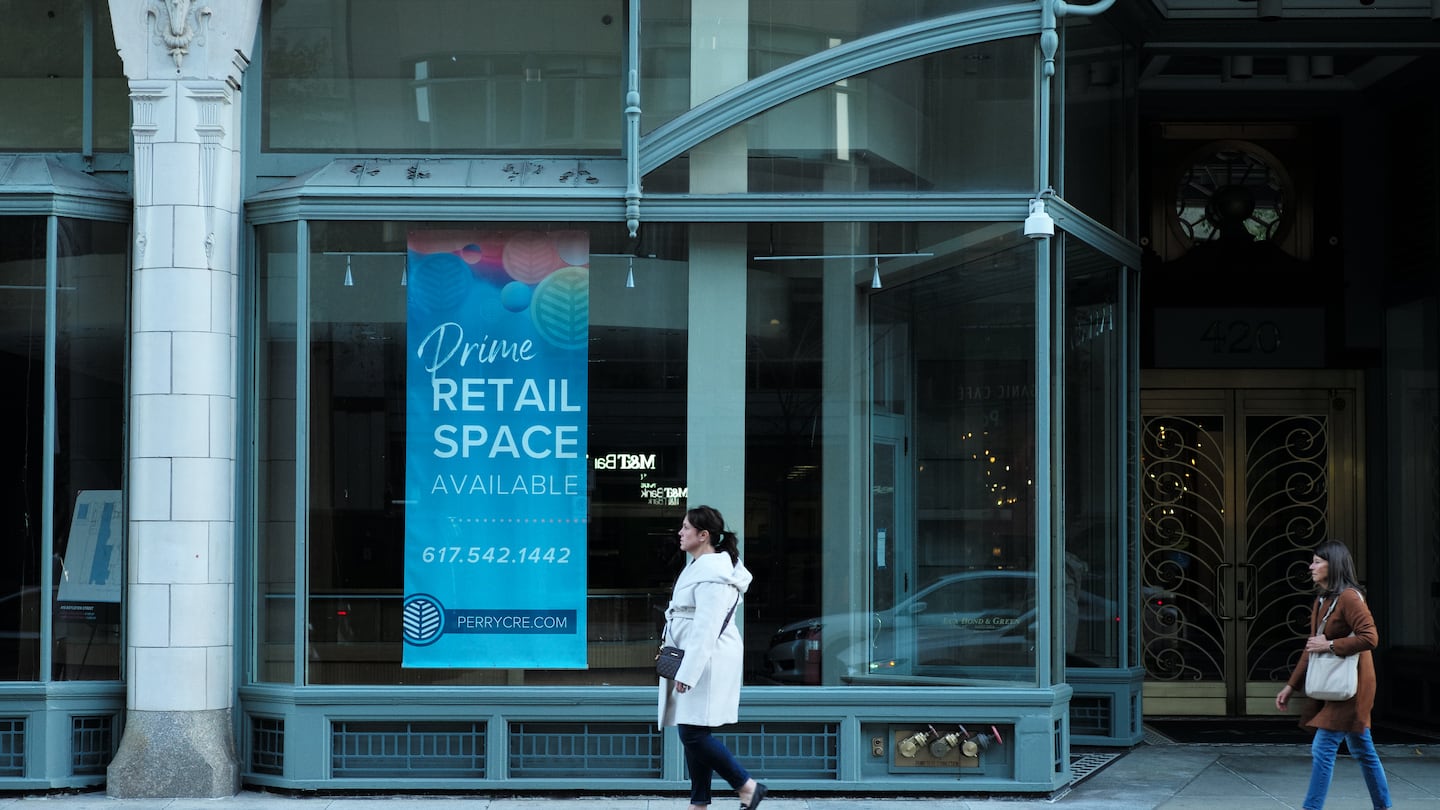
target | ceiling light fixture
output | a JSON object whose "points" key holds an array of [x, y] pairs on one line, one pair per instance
{"points": [[875, 283]]}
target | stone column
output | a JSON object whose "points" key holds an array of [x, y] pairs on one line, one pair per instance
{"points": [[184, 62]]}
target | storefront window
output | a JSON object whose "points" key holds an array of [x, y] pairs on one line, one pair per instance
{"points": [[943, 588], [22, 442], [637, 376], [774, 32], [275, 475], [85, 546], [434, 76], [44, 75], [1095, 376], [90, 362], [961, 120]]}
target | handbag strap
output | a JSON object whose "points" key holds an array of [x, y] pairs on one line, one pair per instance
{"points": [[1321, 627], [730, 613], [723, 624]]}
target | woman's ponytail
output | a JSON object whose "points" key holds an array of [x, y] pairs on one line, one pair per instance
{"points": [[709, 519]]}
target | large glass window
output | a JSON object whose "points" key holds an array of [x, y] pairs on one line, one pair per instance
{"points": [[768, 34], [537, 76], [42, 72], [961, 120], [85, 546], [355, 422], [942, 587], [22, 442], [276, 305], [887, 373], [90, 361], [1095, 376], [1098, 106]]}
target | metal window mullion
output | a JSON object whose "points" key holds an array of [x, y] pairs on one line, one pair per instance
{"points": [[1129, 440], [47, 462], [1044, 463], [302, 444], [87, 84]]}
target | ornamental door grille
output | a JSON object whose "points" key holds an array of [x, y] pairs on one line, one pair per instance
{"points": [[1237, 486]]}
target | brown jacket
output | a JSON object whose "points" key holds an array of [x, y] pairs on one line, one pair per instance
{"points": [[1352, 615]]}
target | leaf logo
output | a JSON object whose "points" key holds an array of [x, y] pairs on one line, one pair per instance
{"points": [[422, 620], [560, 308]]}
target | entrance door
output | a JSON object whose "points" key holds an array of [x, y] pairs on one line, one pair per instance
{"points": [[1238, 484]]}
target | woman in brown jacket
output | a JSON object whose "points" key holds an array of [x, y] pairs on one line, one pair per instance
{"points": [[1350, 630]]}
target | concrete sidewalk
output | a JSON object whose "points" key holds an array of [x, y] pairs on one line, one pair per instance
{"points": [[1168, 776]]}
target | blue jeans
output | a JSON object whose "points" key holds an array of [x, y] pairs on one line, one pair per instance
{"points": [[1322, 765], [705, 756]]}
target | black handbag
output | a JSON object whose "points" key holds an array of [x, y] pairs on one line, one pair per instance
{"points": [[667, 661]]}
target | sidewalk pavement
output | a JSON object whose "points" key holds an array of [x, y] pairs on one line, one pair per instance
{"points": [[1165, 776]]}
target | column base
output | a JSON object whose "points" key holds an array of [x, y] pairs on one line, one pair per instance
{"points": [[175, 755]]}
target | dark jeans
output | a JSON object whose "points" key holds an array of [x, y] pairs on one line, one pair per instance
{"points": [[705, 757]]}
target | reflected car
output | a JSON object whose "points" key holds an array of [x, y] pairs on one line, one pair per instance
{"points": [[960, 622]]}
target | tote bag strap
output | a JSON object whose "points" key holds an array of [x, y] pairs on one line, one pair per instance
{"points": [[1328, 611]]}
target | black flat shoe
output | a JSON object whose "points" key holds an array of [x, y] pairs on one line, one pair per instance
{"points": [[755, 797]]}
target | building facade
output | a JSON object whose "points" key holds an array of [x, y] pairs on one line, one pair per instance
{"points": [[1029, 348]]}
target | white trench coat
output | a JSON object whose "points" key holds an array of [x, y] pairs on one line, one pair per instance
{"points": [[714, 660]]}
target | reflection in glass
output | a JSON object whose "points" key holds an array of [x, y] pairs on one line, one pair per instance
{"points": [[966, 588], [946, 576], [960, 120], [778, 33], [22, 426], [429, 75], [89, 441]]}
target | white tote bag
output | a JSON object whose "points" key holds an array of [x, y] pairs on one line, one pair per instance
{"points": [[1329, 676]]}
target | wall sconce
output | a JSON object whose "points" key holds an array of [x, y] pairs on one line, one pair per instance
{"points": [[1039, 225]]}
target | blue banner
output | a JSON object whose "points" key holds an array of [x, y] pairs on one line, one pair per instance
{"points": [[495, 462]]}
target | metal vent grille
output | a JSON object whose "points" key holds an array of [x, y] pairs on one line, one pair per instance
{"points": [[267, 745], [1091, 715], [591, 750], [786, 750], [371, 750], [12, 746], [92, 743]]}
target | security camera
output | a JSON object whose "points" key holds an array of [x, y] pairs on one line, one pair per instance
{"points": [[1039, 225]]}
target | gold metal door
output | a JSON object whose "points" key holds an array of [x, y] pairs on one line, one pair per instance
{"points": [[1238, 484]]}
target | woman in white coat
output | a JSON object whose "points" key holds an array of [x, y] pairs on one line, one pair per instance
{"points": [[706, 691]]}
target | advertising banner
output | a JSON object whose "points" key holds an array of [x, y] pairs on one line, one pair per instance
{"points": [[495, 461]]}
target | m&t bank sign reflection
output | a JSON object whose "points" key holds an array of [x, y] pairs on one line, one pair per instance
{"points": [[495, 467]]}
